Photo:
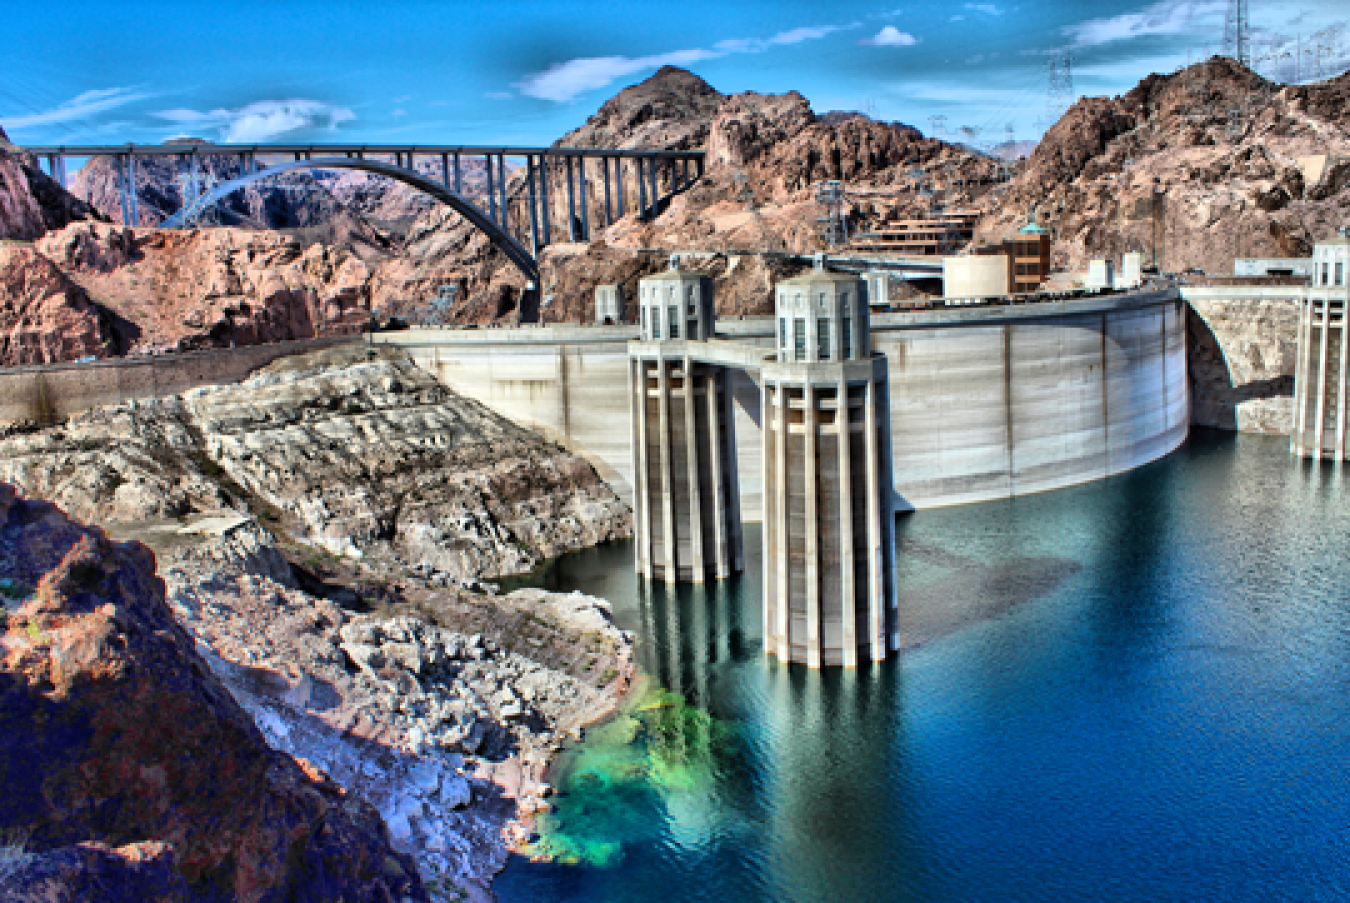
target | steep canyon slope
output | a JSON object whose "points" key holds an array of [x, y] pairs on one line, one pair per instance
{"points": [[1203, 165]]}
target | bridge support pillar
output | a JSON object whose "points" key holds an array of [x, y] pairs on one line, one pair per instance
{"points": [[609, 207], [531, 181], [491, 189], [571, 203], [585, 199], [127, 171], [655, 209], [642, 189], [503, 188]]}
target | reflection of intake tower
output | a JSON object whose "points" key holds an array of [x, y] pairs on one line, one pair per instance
{"points": [[1320, 376], [687, 511], [829, 552]]}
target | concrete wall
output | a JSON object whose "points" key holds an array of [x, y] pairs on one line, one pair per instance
{"points": [[45, 394], [1005, 403], [986, 403]]}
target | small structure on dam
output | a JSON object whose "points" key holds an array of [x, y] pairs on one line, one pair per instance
{"points": [[828, 513], [1320, 376]]}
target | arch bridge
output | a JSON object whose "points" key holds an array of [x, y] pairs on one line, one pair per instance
{"points": [[520, 236]]}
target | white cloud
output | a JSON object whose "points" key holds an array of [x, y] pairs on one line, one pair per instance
{"points": [[1163, 17], [890, 36], [958, 18], [797, 35], [986, 8], [263, 120], [564, 82], [86, 104]]}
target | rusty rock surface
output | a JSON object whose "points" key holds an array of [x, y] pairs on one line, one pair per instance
{"points": [[129, 770]]}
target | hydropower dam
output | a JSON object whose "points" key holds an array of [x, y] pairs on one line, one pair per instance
{"points": [[985, 403], [821, 422]]}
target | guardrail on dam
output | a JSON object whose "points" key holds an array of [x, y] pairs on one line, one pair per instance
{"points": [[986, 403]]}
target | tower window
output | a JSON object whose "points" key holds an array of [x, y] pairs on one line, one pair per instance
{"points": [[674, 322], [823, 339], [848, 336], [1340, 273], [782, 333], [656, 322], [799, 338]]}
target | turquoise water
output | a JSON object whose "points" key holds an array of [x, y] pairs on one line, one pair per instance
{"points": [[1157, 709]]}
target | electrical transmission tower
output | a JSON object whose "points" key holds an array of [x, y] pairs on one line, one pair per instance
{"points": [[1059, 85], [938, 125], [833, 225], [1237, 40]]}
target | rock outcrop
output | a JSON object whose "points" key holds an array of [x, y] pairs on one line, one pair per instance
{"points": [[31, 202], [129, 771], [1206, 164], [45, 317], [371, 459], [355, 628], [445, 720], [1241, 355], [212, 287]]}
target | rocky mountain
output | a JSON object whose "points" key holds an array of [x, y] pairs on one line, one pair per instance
{"points": [[129, 772], [211, 287], [765, 156], [45, 317], [31, 202], [1206, 164]]}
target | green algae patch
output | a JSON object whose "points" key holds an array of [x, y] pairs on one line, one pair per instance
{"points": [[633, 775]]}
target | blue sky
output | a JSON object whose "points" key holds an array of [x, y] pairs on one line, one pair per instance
{"points": [[526, 72]]}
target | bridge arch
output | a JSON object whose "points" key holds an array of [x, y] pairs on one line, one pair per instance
{"points": [[513, 250]]}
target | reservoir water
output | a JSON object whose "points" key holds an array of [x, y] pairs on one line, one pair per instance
{"points": [[1132, 690]]}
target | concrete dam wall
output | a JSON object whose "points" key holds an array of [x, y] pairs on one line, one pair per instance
{"points": [[986, 403], [50, 393]]}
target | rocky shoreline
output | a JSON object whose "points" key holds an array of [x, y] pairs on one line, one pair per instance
{"points": [[325, 532], [447, 727]]}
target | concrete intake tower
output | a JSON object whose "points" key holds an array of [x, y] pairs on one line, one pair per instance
{"points": [[828, 513]]}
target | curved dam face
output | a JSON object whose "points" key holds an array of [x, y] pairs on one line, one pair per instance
{"points": [[990, 404], [986, 403]]}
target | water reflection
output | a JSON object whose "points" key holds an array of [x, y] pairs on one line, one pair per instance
{"points": [[1129, 690]]}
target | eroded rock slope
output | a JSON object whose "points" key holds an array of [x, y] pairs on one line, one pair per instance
{"points": [[129, 772]]}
